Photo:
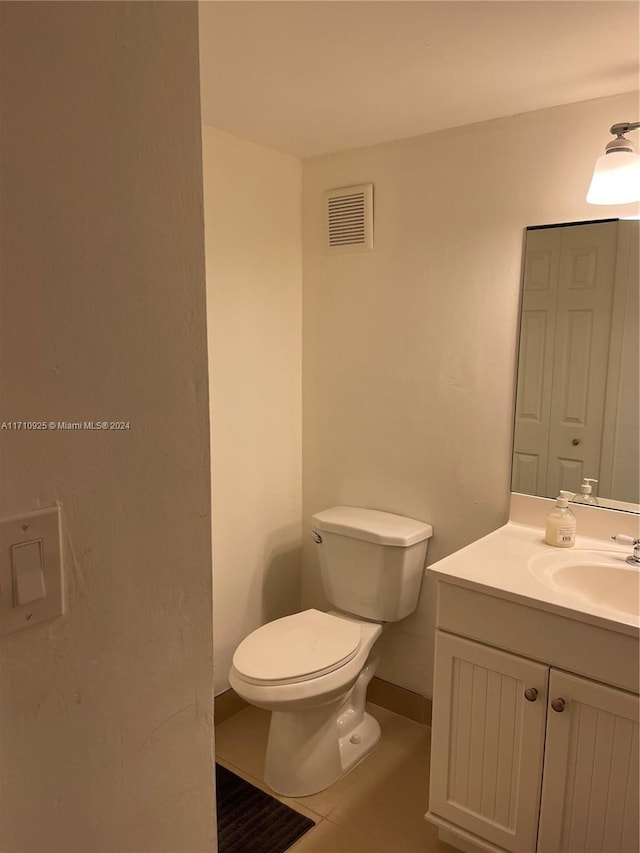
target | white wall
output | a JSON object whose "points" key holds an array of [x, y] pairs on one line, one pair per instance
{"points": [[409, 351], [254, 292], [106, 722]]}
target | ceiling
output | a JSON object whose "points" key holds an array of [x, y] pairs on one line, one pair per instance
{"points": [[311, 78]]}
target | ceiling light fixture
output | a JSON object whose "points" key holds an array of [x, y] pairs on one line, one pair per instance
{"points": [[616, 177]]}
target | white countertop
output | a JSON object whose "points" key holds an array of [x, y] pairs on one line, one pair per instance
{"points": [[498, 565]]}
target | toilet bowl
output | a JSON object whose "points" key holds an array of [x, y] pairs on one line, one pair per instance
{"points": [[312, 669]]}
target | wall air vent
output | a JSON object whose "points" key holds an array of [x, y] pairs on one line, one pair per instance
{"points": [[350, 219]]}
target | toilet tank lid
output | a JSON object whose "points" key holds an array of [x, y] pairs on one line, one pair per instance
{"points": [[372, 525]]}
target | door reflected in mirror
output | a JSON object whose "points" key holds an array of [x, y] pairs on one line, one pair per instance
{"points": [[577, 396]]}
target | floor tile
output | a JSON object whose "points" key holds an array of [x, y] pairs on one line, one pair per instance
{"points": [[391, 811], [387, 804], [242, 740], [376, 808], [400, 739], [327, 837]]}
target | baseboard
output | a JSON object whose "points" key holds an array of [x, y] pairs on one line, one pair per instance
{"points": [[459, 838], [400, 700], [390, 696]]}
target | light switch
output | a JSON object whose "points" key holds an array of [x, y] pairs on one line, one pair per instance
{"points": [[28, 576], [31, 580]]}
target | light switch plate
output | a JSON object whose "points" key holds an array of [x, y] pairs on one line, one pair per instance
{"points": [[43, 525]]}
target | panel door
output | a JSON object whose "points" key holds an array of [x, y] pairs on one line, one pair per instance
{"points": [[567, 299], [581, 354], [590, 781], [487, 741], [620, 460], [535, 361]]}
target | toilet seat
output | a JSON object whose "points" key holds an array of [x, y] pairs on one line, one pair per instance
{"points": [[297, 648]]}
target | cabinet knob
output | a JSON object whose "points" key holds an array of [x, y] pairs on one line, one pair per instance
{"points": [[531, 694], [575, 442], [558, 705]]}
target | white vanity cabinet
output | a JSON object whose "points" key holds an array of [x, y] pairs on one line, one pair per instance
{"points": [[531, 749], [590, 776], [487, 741]]}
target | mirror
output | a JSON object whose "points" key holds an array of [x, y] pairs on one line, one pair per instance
{"points": [[577, 395]]}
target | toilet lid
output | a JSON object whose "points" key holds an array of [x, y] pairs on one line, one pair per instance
{"points": [[297, 648]]}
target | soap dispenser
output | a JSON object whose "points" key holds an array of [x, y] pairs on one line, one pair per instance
{"points": [[585, 496], [560, 529]]}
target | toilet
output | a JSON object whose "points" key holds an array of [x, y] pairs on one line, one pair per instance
{"points": [[312, 669]]}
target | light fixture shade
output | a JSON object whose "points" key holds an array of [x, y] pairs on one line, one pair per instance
{"points": [[616, 179]]}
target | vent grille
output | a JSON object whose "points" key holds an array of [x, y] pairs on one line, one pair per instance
{"points": [[346, 219], [350, 218]]}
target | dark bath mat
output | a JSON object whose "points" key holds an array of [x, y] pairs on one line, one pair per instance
{"points": [[250, 821]]}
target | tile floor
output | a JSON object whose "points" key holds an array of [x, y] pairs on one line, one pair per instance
{"points": [[376, 808]]}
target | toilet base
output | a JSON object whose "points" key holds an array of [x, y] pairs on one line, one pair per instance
{"points": [[306, 754], [359, 743], [311, 748]]}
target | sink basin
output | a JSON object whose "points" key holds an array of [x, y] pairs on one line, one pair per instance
{"points": [[603, 578]]}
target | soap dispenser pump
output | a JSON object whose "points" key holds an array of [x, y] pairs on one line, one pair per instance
{"points": [[560, 529], [585, 496]]}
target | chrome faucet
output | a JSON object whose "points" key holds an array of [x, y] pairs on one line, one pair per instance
{"points": [[621, 539]]}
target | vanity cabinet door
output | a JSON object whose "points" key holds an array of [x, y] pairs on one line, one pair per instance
{"points": [[590, 788], [488, 741]]}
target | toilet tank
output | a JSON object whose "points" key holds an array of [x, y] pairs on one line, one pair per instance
{"points": [[371, 562]]}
